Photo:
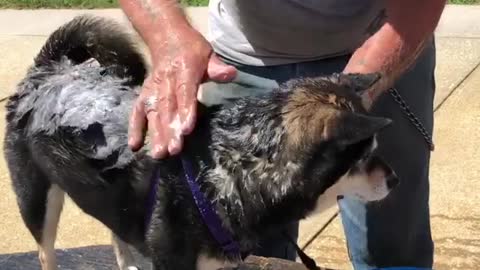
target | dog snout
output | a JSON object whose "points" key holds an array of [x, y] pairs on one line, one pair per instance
{"points": [[391, 177], [392, 181], [378, 165]]}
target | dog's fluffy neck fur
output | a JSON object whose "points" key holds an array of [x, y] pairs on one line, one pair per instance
{"points": [[252, 177], [238, 173]]}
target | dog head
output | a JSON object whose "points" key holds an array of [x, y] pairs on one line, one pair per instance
{"points": [[327, 126], [302, 140]]}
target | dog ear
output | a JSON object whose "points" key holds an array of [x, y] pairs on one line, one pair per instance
{"points": [[350, 128], [359, 82]]}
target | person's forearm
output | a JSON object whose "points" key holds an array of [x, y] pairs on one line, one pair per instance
{"points": [[155, 20], [390, 51]]}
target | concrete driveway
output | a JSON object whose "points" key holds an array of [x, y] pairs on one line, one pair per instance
{"points": [[455, 169]]}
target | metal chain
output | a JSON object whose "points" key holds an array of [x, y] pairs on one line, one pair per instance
{"points": [[406, 109]]}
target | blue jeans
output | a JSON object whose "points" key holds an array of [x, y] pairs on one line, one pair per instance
{"points": [[395, 232]]}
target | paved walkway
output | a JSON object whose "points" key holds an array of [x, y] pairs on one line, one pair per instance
{"points": [[455, 170]]}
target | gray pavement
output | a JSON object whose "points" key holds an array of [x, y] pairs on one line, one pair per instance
{"points": [[456, 21], [455, 172]]}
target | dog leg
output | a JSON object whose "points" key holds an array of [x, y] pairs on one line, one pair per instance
{"points": [[125, 259], [169, 250], [46, 248]]}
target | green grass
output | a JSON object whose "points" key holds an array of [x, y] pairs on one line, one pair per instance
{"points": [[114, 3], [195, 3], [464, 2], [32, 4]]}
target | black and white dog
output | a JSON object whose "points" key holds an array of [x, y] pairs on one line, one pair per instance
{"points": [[261, 161]]}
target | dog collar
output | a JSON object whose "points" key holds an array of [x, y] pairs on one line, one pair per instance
{"points": [[205, 207]]}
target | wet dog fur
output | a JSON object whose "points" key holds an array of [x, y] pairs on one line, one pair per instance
{"points": [[264, 161]]}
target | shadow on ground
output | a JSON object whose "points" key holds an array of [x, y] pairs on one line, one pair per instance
{"points": [[102, 258], [84, 258]]}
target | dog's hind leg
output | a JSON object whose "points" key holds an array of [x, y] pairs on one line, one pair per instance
{"points": [[124, 256], [46, 247], [39, 202]]}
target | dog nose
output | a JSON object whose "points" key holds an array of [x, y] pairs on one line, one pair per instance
{"points": [[392, 181]]}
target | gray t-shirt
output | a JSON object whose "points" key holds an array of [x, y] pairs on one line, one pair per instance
{"points": [[271, 32]]}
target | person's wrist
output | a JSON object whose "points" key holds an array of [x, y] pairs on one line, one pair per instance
{"points": [[175, 39]]}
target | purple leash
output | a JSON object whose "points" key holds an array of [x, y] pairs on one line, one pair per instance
{"points": [[210, 217], [205, 207]]}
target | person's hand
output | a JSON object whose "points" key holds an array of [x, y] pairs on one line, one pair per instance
{"points": [[167, 104]]}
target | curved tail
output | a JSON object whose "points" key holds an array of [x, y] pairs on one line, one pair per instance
{"points": [[87, 37]]}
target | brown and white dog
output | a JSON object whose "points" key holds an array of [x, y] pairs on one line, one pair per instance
{"points": [[263, 161]]}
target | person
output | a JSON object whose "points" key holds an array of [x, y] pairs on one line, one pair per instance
{"points": [[255, 45]]}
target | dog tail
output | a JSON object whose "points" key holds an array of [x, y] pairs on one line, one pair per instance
{"points": [[86, 37]]}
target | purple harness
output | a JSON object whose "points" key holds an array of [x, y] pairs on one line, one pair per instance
{"points": [[205, 207]]}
